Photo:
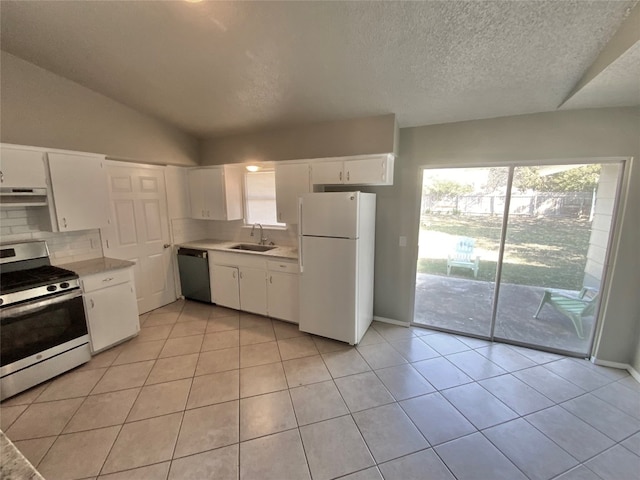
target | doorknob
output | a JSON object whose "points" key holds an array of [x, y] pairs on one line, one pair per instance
{"points": [[167, 245]]}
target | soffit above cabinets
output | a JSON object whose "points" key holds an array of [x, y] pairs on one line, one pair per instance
{"points": [[217, 68]]}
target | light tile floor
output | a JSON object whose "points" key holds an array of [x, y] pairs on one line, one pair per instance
{"points": [[206, 392]]}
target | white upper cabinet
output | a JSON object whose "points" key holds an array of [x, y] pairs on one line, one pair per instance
{"points": [[292, 180], [327, 173], [369, 170], [79, 191], [216, 193], [22, 168]]}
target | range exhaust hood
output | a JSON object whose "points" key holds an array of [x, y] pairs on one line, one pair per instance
{"points": [[23, 197]]}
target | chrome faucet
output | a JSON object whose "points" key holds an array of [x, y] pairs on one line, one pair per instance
{"points": [[263, 239]]}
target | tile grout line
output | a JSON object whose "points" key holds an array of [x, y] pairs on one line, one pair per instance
{"points": [[136, 399]]}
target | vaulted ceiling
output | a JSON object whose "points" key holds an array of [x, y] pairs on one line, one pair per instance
{"points": [[216, 68]]}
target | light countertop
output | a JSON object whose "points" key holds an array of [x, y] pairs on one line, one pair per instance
{"points": [[279, 251], [96, 265], [13, 464]]}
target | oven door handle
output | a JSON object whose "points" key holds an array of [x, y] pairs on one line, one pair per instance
{"points": [[39, 304]]}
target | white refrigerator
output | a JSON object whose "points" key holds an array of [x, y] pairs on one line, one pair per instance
{"points": [[336, 252]]}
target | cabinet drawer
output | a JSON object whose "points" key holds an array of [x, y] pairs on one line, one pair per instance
{"points": [[105, 279], [237, 259], [288, 267]]}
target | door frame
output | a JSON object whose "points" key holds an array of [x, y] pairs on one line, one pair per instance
{"points": [[612, 244]]}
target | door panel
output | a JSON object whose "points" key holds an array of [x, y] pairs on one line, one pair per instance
{"points": [[139, 231], [125, 222], [152, 220], [458, 248]]}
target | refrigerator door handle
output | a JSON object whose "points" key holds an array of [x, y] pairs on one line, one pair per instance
{"points": [[300, 253]]}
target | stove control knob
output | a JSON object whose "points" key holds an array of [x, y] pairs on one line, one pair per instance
{"points": [[52, 288], [64, 285]]}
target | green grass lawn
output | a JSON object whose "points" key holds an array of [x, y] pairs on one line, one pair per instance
{"points": [[547, 251]]}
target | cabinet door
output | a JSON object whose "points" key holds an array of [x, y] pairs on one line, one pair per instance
{"points": [[214, 194], [233, 192], [291, 182], [283, 291], [196, 193], [327, 173], [371, 171], [22, 168], [253, 290], [79, 187], [112, 315], [225, 289]]}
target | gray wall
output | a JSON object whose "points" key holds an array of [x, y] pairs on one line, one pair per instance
{"points": [[540, 137], [545, 137], [42, 109], [327, 139]]}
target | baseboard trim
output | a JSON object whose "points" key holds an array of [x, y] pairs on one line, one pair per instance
{"points": [[607, 363], [634, 373], [390, 321], [622, 366]]}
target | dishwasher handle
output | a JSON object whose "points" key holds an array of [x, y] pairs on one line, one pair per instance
{"points": [[191, 252]]}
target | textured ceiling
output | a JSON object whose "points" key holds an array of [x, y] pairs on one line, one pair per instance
{"points": [[215, 68]]}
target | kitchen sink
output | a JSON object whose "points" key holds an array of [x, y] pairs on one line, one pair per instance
{"points": [[252, 247]]}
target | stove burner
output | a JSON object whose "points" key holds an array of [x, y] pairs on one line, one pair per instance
{"points": [[34, 277]]}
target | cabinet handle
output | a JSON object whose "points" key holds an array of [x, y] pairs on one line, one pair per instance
{"points": [[92, 303], [234, 274], [347, 175], [240, 275], [64, 222], [270, 278], [340, 176], [1, 177], [108, 279]]}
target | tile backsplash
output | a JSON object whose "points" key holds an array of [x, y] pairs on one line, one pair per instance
{"points": [[19, 224], [236, 231]]}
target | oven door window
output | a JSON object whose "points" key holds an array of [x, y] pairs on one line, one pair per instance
{"points": [[36, 326]]}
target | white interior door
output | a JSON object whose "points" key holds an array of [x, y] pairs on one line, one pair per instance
{"points": [[139, 230]]}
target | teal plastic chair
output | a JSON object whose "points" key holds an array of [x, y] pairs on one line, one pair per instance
{"points": [[575, 308], [463, 256]]}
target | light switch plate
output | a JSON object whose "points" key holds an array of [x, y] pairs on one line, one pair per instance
{"points": [[403, 241]]}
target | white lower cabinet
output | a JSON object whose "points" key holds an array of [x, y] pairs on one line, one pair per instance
{"points": [[253, 290], [225, 286], [111, 307], [283, 294], [255, 284]]}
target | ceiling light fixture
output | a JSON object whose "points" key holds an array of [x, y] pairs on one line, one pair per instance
{"points": [[252, 168]]}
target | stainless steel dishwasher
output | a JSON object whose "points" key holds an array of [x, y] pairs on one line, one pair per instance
{"points": [[193, 266]]}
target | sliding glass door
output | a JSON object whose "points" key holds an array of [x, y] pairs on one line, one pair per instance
{"points": [[557, 236], [531, 276], [460, 227]]}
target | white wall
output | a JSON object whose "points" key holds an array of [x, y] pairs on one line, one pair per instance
{"points": [[42, 109]]}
